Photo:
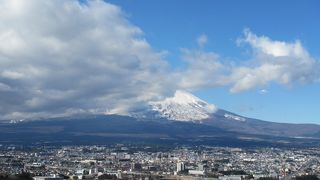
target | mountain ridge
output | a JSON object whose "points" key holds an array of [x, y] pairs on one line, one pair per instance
{"points": [[210, 126], [114, 129]]}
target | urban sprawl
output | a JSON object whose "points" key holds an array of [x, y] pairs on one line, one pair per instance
{"points": [[155, 162]]}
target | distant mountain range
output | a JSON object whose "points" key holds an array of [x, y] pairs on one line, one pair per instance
{"points": [[182, 119]]}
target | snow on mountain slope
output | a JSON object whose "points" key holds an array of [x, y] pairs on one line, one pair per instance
{"points": [[234, 117], [183, 106]]}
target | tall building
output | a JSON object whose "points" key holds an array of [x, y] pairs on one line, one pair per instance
{"points": [[180, 166]]}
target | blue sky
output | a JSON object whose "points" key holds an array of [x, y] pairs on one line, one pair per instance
{"points": [[172, 25], [259, 59]]}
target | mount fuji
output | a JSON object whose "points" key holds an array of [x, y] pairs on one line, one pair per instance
{"points": [[185, 107], [181, 119]]}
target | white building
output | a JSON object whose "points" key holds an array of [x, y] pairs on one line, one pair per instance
{"points": [[180, 166], [196, 172], [231, 177], [47, 178]]}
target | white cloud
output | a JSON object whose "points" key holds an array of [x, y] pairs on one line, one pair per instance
{"points": [[271, 61], [263, 91], [62, 57], [203, 69], [274, 48], [274, 61], [202, 40]]}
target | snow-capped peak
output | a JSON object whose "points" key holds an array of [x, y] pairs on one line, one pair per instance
{"points": [[183, 106]]}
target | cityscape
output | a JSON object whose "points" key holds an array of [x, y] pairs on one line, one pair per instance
{"points": [[154, 162]]}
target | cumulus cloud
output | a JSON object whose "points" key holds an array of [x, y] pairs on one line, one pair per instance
{"points": [[274, 48], [274, 61], [64, 57], [281, 62]]}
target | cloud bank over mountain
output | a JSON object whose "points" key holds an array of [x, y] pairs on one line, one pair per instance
{"points": [[65, 57]]}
